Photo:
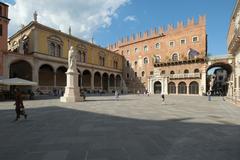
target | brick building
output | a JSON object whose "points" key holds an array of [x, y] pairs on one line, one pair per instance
{"points": [[3, 32], [169, 60]]}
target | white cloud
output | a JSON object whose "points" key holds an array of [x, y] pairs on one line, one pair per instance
{"points": [[129, 18], [84, 17]]}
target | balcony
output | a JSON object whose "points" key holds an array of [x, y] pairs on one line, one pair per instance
{"points": [[184, 75]]}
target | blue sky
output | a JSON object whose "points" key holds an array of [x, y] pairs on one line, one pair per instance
{"points": [[146, 14]]}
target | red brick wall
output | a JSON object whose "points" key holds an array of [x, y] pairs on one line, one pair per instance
{"points": [[165, 52]]}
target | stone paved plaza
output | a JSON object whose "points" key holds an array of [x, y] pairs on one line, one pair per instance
{"points": [[133, 128]]}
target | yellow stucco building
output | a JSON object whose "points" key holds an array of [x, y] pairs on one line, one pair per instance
{"points": [[39, 53]]}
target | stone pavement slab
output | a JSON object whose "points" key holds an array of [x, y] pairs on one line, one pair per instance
{"points": [[133, 128]]}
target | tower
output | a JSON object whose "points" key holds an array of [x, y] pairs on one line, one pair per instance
{"points": [[3, 32], [3, 26]]}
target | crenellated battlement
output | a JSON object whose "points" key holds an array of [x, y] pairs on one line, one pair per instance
{"points": [[158, 32]]}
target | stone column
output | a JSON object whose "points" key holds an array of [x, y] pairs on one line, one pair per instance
{"points": [[187, 89], [55, 79], [176, 88], [81, 79], [92, 82], [203, 82]]}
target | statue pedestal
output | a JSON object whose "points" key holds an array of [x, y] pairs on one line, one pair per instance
{"points": [[72, 91]]}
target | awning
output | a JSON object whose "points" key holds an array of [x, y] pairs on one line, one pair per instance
{"points": [[17, 82]]}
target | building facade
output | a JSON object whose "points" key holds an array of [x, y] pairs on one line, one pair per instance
{"points": [[233, 44], [3, 33], [39, 53], [170, 61]]}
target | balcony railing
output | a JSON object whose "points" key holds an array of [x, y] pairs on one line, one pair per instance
{"points": [[185, 75]]}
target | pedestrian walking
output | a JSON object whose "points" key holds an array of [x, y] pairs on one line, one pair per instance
{"points": [[116, 95], [209, 95], [19, 107], [163, 98]]}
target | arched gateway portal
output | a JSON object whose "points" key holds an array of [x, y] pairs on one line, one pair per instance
{"points": [[218, 80], [21, 69], [157, 87]]}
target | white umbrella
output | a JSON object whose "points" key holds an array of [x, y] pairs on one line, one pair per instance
{"points": [[17, 82]]}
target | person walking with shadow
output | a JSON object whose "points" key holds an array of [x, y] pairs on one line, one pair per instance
{"points": [[163, 98], [19, 107]]}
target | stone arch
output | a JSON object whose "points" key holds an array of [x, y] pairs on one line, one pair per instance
{"points": [[105, 81], [46, 75], [118, 81], [171, 88], [186, 71], [182, 88], [157, 87], [21, 69], [97, 79], [112, 80], [61, 76], [223, 86], [194, 87], [86, 79]]}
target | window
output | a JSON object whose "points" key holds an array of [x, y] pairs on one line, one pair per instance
{"points": [[54, 46], [135, 50], [101, 61], [135, 63], [128, 52], [145, 48], [143, 73], [52, 49], [171, 43], [115, 64], [163, 72], [183, 41], [196, 70], [193, 54], [151, 72], [1, 32], [58, 50], [157, 46], [175, 57], [186, 71], [145, 60], [135, 74], [157, 59], [195, 39], [127, 75], [172, 72], [128, 64]]}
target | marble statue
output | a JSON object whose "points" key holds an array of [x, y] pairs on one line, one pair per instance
{"points": [[72, 90], [72, 61]]}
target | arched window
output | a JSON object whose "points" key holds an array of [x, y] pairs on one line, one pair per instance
{"points": [[83, 57], [101, 60], [193, 54], [196, 70], [143, 73], [182, 88], [135, 50], [52, 49], [157, 59], [127, 75], [175, 57], [135, 63], [163, 72], [128, 63], [157, 45], [145, 60], [172, 72], [193, 88], [145, 48], [54, 45], [186, 71], [171, 88], [58, 50]]}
